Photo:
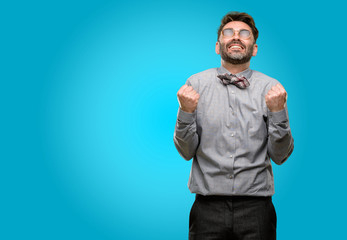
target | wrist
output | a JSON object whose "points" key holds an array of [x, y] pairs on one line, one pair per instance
{"points": [[187, 110], [276, 109], [185, 117]]}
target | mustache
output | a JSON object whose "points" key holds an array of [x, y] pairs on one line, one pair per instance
{"points": [[235, 42]]}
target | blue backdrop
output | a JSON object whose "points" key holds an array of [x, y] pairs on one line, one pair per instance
{"points": [[88, 110]]}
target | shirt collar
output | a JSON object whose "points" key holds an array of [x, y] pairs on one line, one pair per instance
{"points": [[246, 73]]}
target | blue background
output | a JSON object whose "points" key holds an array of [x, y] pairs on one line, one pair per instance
{"points": [[88, 109]]}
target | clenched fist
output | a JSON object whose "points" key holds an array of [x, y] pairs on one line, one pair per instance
{"points": [[188, 98], [276, 98]]}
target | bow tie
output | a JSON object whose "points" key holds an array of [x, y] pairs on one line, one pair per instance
{"points": [[240, 82]]}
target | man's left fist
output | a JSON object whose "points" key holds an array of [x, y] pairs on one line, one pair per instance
{"points": [[276, 98]]}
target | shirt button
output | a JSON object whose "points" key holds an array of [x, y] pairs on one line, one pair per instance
{"points": [[230, 176], [232, 91], [232, 134], [231, 156]]}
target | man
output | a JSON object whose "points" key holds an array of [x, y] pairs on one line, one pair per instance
{"points": [[231, 121]]}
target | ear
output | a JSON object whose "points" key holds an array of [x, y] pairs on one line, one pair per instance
{"points": [[255, 50], [217, 47]]}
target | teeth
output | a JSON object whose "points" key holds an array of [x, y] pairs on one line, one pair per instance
{"points": [[235, 47]]}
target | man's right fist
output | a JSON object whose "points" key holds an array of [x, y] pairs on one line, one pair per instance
{"points": [[188, 98]]}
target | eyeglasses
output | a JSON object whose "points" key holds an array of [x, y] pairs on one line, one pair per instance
{"points": [[243, 33]]}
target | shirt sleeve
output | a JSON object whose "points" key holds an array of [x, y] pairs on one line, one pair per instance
{"points": [[280, 141], [186, 138]]}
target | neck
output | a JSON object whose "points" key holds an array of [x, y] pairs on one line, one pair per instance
{"points": [[235, 68]]}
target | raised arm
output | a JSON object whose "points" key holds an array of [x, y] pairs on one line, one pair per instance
{"points": [[185, 138], [280, 141]]}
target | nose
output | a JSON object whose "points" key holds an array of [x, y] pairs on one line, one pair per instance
{"points": [[236, 35]]}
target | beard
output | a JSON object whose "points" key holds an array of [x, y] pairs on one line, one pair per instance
{"points": [[235, 57]]}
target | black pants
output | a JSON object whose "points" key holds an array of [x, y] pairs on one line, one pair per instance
{"points": [[232, 218]]}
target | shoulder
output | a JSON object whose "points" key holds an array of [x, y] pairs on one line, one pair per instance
{"points": [[263, 78], [202, 78], [263, 81]]}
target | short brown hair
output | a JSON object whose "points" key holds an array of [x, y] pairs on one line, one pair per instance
{"points": [[242, 17]]}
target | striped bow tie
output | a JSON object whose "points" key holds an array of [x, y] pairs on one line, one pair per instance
{"points": [[240, 82]]}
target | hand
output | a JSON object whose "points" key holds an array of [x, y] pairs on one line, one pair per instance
{"points": [[188, 98], [276, 98]]}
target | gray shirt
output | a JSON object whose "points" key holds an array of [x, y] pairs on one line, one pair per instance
{"points": [[232, 135]]}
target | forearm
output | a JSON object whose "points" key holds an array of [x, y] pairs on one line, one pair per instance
{"points": [[185, 137], [280, 141]]}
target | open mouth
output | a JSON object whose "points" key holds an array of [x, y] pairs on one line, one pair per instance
{"points": [[236, 47]]}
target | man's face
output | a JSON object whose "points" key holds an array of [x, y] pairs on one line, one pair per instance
{"points": [[235, 49]]}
